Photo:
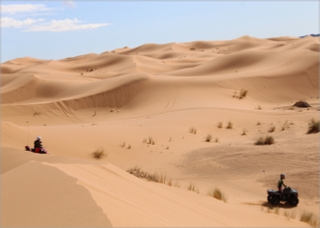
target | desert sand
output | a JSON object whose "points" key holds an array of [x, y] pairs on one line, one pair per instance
{"points": [[153, 107]]}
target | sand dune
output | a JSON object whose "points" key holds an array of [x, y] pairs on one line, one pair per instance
{"points": [[175, 95]]}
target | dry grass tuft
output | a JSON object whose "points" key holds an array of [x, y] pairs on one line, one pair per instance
{"points": [[289, 216], [272, 129], [154, 177], [192, 187], [313, 126], [149, 141], [268, 140], [244, 132], [243, 93], [208, 138], [218, 194], [309, 218], [36, 113], [98, 154], [220, 125], [230, 125], [192, 130]]}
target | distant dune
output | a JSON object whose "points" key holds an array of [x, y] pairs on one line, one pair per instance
{"points": [[154, 107]]}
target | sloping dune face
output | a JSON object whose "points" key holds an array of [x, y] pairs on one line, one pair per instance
{"points": [[112, 79], [193, 112]]}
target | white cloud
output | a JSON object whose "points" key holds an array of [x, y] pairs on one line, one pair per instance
{"points": [[8, 22], [63, 26], [39, 24], [69, 3], [23, 8]]}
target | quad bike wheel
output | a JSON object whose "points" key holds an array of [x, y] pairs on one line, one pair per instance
{"points": [[274, 200], [293, 201]]}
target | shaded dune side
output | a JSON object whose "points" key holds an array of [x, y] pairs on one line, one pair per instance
{"points": [[18, 89], [247, 62], [116, 97]]}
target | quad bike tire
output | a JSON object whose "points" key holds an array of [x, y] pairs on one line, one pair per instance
{"points": [[274, 200], [293, 201]]}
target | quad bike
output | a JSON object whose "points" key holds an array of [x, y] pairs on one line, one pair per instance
{"points": [[41, 150], [289, 195]]}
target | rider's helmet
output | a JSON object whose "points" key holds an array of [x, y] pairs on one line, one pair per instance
{"points": [[38, 138], [282, 176]]}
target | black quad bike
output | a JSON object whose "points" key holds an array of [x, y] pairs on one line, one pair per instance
{"points": [[289, 195]]}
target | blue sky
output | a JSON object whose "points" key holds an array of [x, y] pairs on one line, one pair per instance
{"points": [[61, 29]]}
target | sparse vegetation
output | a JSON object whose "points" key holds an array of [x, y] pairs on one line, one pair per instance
{"points": [[309, 218], [301, 104], [208, 138], [192, 48], [272, 129], [291, 215], [129, 146], [243, 93], [313, 126], [149, 141], [220, 125], [98, 154], [155, 177], [192, 130], [230, 125], [285, 126], [218, 194], [192, 187], [216, 140], [36, 113], [244, 132], [268, 140]]}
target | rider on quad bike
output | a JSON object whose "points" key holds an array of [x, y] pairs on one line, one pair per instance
{"points": [[38, 148], [280, 183], [287, 194]]}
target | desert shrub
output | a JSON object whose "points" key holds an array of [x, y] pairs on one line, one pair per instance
{"points": [[192, 187], [244, 132], [220, 125], [208, 138], [154, 177], [243, 93], [268, 140], [309, 218], [36, 113], [313, 126], [149, 141], [230, 125], [218, 194], [98, 154], [192, 130], [272, 129], [301, 104]]}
